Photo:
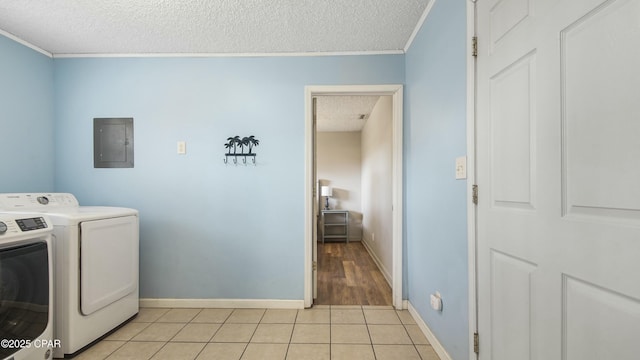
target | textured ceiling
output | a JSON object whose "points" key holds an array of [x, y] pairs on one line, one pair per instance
{"points": [[343, 113], [76, 27]]}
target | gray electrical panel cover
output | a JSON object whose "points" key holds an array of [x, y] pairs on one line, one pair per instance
{"points": [[113, 142]]}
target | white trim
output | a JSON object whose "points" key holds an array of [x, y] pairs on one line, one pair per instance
{"points": [[471, 177], [223, 55], [397, 197], [25, 43], [423, 18], [222, 303], [309, 211], [396, 92], [433, 340], [378, 262], [198, 55]]}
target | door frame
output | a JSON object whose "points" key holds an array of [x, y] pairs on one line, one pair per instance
{"points": [[471, 177], [396, 92]]}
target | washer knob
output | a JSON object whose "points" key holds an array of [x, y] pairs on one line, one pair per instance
{"points": [[43, 200], [3, 228]]}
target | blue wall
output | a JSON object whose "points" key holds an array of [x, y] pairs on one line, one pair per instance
{"points": [[435, 134], [26, 119], [208, 230]]}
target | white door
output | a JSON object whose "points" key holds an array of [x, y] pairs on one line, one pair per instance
{"points": [[558, 159]]}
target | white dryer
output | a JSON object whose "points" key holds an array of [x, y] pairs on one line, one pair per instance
{"points": [[95, 258]]}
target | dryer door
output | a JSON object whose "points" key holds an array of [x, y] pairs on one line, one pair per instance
{"points": [[108, 261], [24, 294]]}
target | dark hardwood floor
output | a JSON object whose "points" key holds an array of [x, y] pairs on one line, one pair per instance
{"points": [[348, 276]]}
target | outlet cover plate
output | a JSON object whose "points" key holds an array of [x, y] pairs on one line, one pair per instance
{"points": [[461, 167]]}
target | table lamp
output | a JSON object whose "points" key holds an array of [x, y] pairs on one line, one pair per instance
{"points": [[328, 192]]}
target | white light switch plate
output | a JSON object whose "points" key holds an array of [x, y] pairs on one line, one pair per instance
{"points": [[182, 147], [461, 167]]}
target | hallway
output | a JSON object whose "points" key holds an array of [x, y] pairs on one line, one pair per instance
{"points": [[348, 276]]}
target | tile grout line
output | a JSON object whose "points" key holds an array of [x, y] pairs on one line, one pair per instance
{"points": [[168, 341], [412, 341], [114, 350], [373, 349], [211, 338], [253, 334], [293, 328], [330, 331]]}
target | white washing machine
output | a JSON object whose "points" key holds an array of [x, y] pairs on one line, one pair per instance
{"points": [[95, 258], [26, 296]]}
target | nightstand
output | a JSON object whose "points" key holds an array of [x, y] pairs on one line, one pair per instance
{"points": [[335, 225]]}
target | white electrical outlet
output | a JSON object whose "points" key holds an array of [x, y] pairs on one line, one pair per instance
{"points": [[461, 167], [182, 147], [436, 301]]}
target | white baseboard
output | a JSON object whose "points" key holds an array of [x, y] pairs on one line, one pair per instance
{"points": [[437, 347], [223, 303], [376, 260]]}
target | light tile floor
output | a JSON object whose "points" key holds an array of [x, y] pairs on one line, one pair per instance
{"points": [[320, 333]]}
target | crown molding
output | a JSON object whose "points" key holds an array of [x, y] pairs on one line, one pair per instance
{"points": [[26, 43]]}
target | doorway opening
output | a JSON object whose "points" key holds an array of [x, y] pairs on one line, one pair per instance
{"points": [[353, 173], [314, 203]]}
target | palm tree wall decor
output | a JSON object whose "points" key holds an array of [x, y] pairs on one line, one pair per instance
{"points": [[235, 142]]}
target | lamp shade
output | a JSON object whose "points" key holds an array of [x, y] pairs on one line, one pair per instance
{"points": [[326, 191]]}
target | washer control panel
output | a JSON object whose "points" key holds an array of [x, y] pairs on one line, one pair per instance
{"points": [[17, 225], [31, 224]]}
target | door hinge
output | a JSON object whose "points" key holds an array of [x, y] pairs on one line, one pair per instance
{"points": [[474, 188], [474, 46], [476, 343], [315, 265]]}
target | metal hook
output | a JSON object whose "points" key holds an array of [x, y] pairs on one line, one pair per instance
{"points": [[235, 161], [225, 159], [254, 160], [244, 160]]}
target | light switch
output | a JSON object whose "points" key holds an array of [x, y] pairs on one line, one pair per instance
{"points": [[461, 167], [182, 147]]}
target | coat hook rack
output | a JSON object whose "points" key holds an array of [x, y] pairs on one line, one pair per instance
{"points": [[246, 143]]}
